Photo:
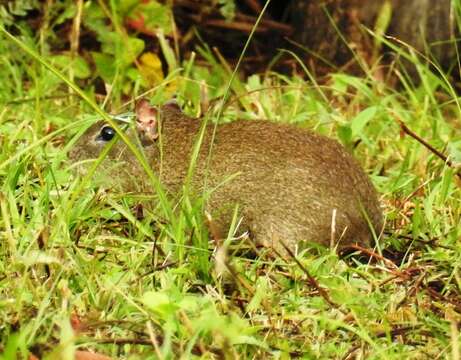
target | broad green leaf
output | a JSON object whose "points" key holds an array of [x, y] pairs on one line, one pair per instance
{"points": [[105, 66], [160, 303], [361, 120], [382, 22], [78, 65], [345, 134], [125, 49]]}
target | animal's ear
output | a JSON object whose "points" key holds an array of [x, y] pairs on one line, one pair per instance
{"points": [[146, 122]]}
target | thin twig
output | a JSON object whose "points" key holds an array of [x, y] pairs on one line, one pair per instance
{"points": [[147, 342], [312, 281], [371, 254], [428, 146], [254, 5]]}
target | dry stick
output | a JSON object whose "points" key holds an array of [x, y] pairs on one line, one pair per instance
{"points": [[147, 342], [247, 286], [434, 294], [398, 330], [195, 8], [239, 279], [230, 25], [393, 333], [154, 341], [190, 328], [392, 269], [267, 24], [254, 5], [428, 146], [244, 24], [154, 270], [372, 254], [312, 281]]}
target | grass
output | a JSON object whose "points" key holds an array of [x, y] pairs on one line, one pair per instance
{"points": [[79, 269]]}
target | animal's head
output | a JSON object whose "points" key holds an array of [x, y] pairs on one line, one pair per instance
{"points": [[120, 166]]}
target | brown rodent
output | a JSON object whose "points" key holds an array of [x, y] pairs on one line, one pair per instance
{"points": [[291, 185]]}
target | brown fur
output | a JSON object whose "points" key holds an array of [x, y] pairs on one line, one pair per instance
{"points": [[288, 184]]}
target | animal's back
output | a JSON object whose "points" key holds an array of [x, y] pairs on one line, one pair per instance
{"points": [[291, 185]]}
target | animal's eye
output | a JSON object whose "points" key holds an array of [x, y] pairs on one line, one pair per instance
{"points": [[106, 133]]}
